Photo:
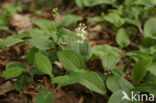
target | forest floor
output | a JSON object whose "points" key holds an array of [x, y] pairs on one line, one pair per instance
{"points": [[19, 22]]}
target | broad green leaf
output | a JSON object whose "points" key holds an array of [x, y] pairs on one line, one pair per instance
{"points": [[101, 50], [43, 63], [22, 35], [150, 78], [21, 82], [30, 55], [118, 72], [117, 98], [90, 79], [12, 72], [44, 96], [3, 27], [9, 41], [71, 60], [122, 37], [109, 60], [79, 3], [83, 49], [46, 25], [116, 83], [15, 64], [149, 87], [38, 34], [140, 69], [93, 81], [137, 55], [108, 54], [152, 68], [115, 19], [42, 44], [96, 19], [149, 28], [70, 19], [89, 3], [72, 78], [134, 22], [150, 50], [3, 20], [10, 10], [65, 32], [148, 3]]}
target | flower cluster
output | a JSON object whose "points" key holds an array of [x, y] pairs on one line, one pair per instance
{"points": [[81, 32]]}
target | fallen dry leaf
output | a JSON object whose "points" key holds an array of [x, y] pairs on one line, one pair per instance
{"points": [[47, 83], [65, 97], [6, 87], [21, 22]]}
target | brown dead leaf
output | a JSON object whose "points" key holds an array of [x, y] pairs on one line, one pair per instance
{"points": [[17, 49], [6, 87], [3, 63], [21, 22], [59, 65], [81, 100], [65, 97], [47, 83]]}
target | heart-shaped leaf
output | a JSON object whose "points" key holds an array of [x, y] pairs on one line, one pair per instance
{"points": [[43, 63], [71, 61]]}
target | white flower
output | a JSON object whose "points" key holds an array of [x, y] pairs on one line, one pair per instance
{"points": [[80, 41], [78, 34], [81, 32]]}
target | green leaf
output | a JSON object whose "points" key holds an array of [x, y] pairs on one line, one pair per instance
{"points": [[122, 37], [148, 3], [150, 78], [109, 55], [90, 79], [110, 60], [140, 69], [21, 82], [46, 25], [149, 28], [43, 63], [15, 64], [10, 41], [42, 44], [149, 87], [93, 81], [115, 19], [116, 83], [96, 19], [72, 78], [10, 10], [89, 3], [44, 96], [30, 55], [152, 68], [3, 20], [12, 72], [3, 27], [101, 50], [70, 19], [83, 49], [137, 55], [38, 34], [117, 98], [118, 72], [71, 60]]}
